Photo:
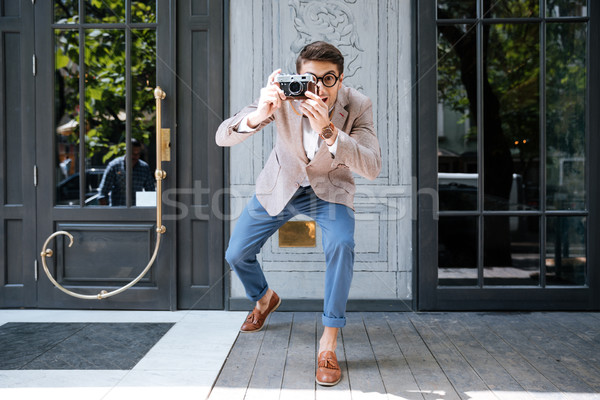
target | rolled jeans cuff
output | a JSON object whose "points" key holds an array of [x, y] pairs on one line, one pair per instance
{"points": [[333, 322], [260, 295]]}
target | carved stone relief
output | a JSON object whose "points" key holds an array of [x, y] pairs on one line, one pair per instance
{"points": [[331, 21], [374, 37]]}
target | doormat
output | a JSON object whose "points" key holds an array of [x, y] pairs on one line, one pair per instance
{"points": [[85, 346]]}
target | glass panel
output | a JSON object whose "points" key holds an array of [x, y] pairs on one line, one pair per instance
{"points": [[511, 117], [105, 11], [143, 75], [457, 118], [143, 11], [113, 185], [66, 11], [511, 250], [565, 115], [143, 128], [566, 8], [566, 250], [457, 251], [456, 9], [66, 117], [105, 110], [511, 9]]}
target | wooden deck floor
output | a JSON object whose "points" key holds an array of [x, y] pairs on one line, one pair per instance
{"points": [[421, 356]]}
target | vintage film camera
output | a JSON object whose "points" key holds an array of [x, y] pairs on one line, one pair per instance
{"points": [[295, 86]]}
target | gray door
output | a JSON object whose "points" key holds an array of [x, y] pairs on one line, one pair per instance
{"points": [[199, 198], [17, 152], [97, 66]]}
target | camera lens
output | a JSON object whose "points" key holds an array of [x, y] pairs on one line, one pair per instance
{"points": [[295, 88]]}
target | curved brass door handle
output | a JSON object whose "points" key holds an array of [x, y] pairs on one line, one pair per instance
{"points": [[159, 174]]}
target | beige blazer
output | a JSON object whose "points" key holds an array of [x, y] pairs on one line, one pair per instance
{"points": [[330, 177]]}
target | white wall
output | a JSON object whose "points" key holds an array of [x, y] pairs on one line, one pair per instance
{"points": [[374, 37]]}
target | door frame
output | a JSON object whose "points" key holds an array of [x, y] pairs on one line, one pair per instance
{"points": [[160, 290]]}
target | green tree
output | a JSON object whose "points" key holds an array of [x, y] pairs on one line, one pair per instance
{"points": [[105, 60]]}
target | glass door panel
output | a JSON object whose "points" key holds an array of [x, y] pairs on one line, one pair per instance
{"points": [[566, 8], [143, 115], [566, 75], [566, 251], [143, 11], [114, 97], [511, 9], [105, 114], [511, 116], [66, 11], [66, 101], [105, 11], [511, 250], [457, 251], [457, 118], [456, 9]]}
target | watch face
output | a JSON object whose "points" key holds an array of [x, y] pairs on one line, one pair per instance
{"points": [[327, 132]]}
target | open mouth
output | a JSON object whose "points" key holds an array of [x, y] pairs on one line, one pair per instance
{"points": [[324, 99]]}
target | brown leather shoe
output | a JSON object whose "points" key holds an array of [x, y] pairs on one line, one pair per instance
{"points": [[329, 372], [256, 320]]}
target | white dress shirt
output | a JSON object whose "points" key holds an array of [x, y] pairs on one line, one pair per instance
{"points": [[311, 140]]}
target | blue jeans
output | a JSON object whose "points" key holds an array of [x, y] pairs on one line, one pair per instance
{"points": [[255, 226]]}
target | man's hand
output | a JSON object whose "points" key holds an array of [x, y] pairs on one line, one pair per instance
{"points": [[270, 100], [318, 115]]}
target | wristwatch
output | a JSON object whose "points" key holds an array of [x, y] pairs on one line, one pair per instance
{"points": [[327, 132]]}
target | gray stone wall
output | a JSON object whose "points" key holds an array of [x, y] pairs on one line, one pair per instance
{"points": [[374, 37]]}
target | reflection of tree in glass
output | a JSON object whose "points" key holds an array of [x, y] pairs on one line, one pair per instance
{"points": [[104, 92], [513, 68], [143, 77], [451, 90], [510, 63], [67, 78], [565, 116], [105, 11], [511, 8], [456, 9], [105, 87], [65, 11]]}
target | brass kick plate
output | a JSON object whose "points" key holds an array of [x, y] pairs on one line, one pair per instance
{"points": [[165, 134], [298, 234]]}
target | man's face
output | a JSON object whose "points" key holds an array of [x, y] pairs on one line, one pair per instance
{"points": [[136, 152], [320, 69]]}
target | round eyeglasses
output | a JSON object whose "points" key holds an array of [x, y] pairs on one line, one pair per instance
{"points": [[329, 79]]}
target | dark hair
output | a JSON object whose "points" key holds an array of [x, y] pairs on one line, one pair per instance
{"points": [[321, 51], [135, 143]]}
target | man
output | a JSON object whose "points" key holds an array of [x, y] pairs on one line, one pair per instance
{"points": [[320, 142], [113, 180]]}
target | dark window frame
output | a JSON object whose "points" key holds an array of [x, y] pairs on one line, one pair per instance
{"points": [[430, 295]]}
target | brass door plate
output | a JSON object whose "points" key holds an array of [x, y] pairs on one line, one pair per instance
{"points": [[165, 135], [298, 234]]}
